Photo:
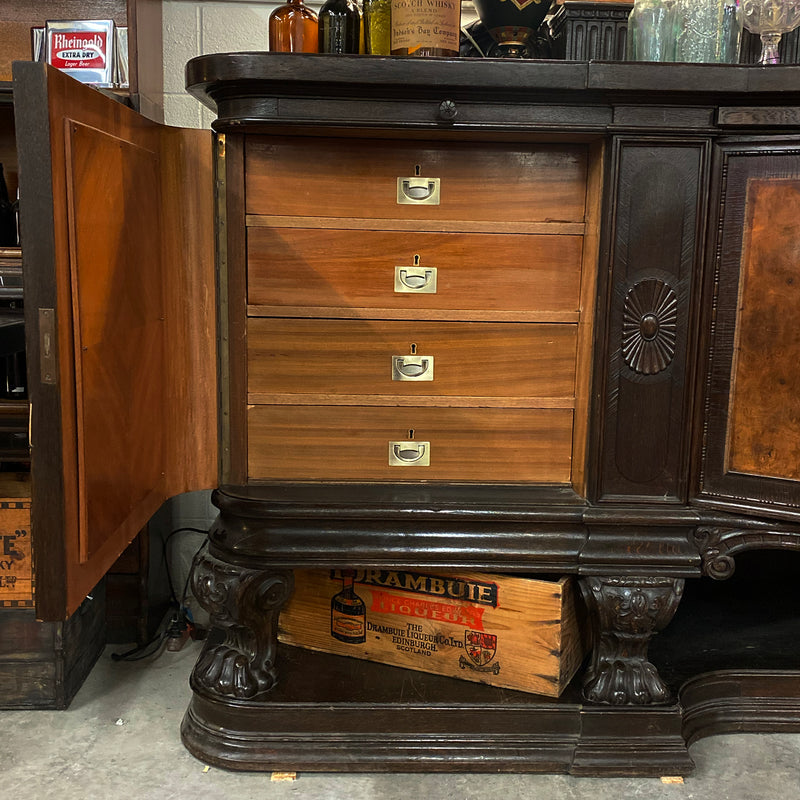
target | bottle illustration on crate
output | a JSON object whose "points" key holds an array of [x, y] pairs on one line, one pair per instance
{"points": [[348, 612]]}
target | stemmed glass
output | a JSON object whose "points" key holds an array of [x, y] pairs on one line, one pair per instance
{"points": [[770, 19]]}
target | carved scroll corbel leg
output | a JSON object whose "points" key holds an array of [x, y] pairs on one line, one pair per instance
{"points": [[627, 612], [243, 605]]}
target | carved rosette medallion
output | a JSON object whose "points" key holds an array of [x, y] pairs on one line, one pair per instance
{"points": [[649, 326], [627, 612], [243, 605]]}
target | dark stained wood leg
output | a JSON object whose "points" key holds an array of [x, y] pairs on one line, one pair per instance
{"points": [[627, 612], [238, 660]]}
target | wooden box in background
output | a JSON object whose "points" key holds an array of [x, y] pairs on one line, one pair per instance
{"points": [[16, 570], [513, 632], [42, 664]]}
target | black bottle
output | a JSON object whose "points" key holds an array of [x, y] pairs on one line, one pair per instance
{"points": [[339, 27], [8, 218]]}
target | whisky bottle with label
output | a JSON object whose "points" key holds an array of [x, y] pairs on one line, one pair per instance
{"points": [[425, 30], [348, 612]]}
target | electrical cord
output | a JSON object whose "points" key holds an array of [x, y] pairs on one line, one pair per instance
{"points": [[177, 617], [148, 649], [164, 543]]}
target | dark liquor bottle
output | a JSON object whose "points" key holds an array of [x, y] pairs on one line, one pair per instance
{"points": [[339, 27], [8, 218], [348, 613], [293, 28]]}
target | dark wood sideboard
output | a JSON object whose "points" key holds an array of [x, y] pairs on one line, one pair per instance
{"points": [[615, 396]]}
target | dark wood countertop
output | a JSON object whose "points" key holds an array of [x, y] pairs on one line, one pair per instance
{"points": [[253, 89]]}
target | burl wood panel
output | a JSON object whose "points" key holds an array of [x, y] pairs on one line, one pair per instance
{"points": [[345, 357], [532, 275], [470, 444], [764, 420], [358, 178]]}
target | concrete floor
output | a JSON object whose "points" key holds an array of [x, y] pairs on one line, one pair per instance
{"points": [[120, 739]]}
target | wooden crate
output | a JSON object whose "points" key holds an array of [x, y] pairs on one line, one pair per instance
{"points": [[16, 568], [42, 664], [513, 632]]}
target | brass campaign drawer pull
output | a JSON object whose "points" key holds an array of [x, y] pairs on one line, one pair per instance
{"points": [[412, 368], [418, 191], [415, 279], [409, 454]]}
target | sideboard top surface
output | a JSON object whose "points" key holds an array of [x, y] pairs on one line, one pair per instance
{"points": [[252, 87]]}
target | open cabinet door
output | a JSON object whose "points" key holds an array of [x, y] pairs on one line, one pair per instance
{"points": [[118, 249]]}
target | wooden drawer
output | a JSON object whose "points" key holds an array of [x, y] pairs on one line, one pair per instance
{"points": [[351, 443], [386, 358], [532, 275], [509, 183]]}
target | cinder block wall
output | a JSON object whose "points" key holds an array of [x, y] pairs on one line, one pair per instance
{"points": [[196, 27]]}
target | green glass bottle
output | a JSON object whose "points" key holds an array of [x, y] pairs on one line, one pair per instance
{"points": [[378, 27]]}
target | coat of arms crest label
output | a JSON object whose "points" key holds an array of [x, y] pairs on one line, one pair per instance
{"points": [[481, 648]]}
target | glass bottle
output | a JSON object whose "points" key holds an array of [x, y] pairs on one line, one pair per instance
{"points": [[652, 31], [378, 27], [339, 27], [430, 29], [709, 31], [348, 612], [8, 218], [293, 28]]}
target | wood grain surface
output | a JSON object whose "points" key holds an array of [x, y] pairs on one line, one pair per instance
{"points": [[358, 178], [355, 357], [325, 269], [470, 444]]}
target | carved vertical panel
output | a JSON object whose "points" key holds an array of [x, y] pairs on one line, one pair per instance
{"points": [[645, 396]]}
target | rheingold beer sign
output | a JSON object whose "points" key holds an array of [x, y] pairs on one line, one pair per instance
{"points": [[83, 49]]}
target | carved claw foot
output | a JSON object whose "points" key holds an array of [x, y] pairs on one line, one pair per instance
{"points": [[243, 605], [627, 613]]}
